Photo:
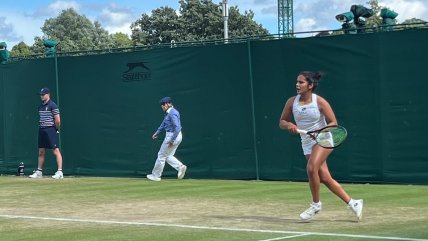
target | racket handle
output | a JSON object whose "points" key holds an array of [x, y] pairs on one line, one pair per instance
{"points": [[301, 131]]}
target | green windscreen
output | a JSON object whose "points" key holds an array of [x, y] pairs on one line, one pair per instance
{"points": [[230, 98]]}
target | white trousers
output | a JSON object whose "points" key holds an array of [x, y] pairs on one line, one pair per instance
{"points": [[166, 153]]}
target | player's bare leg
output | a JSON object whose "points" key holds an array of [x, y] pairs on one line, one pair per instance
{"points": [[315, 160], [41, 158], [333, 185], [58, 157]]}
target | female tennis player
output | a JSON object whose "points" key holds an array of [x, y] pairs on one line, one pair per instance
{"points": [[312, 112]]}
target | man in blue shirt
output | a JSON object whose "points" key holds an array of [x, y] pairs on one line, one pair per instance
{"points": [[49, 124], [172, 125]]}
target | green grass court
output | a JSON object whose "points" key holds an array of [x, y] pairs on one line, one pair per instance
{"points": [[95, 208]]}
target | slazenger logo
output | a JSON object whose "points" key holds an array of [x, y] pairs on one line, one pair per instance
{"points": [[137, 72]]}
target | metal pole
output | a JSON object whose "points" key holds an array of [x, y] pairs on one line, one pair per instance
{"points": [[3, 126], [253, 110], [225, 18], [56, 79], [57, 90]]}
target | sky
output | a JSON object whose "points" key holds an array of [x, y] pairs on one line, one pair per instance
{"points": [[21, 20]]}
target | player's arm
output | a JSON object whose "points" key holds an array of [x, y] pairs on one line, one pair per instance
{"points": [[326, 109], [285, 120], [57, 120], [160, 128]]}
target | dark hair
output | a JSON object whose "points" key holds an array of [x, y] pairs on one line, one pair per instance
{"points": [[312, 77]]}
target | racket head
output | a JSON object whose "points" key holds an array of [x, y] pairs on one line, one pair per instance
{"points": [[331, 136]]}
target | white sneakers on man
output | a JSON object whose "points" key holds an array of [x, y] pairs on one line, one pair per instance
{"points": [[309, 213], [58, 175], [181, 171], [39, 174], [357, 208], [153, 178], [36, 174]]}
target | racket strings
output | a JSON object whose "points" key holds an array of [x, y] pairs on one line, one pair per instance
{"points": [[339, 135], [331, 137]]}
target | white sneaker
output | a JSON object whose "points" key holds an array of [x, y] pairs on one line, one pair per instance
{"points": [[182, 171], [357, 208], [153, 178], [36, 174], [309, 213], [58, 175]]}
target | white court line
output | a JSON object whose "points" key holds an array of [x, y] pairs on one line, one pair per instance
{"points": [[287, 237], [208, 228]]}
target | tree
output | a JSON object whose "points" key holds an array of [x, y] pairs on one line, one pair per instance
{"points": [[76, 32], [204, 20], [374, 21], [160, 27], [121, 40], [38, 47], [196, 20], [21, 49], [200, 20], [414, 23], [244, 25]]}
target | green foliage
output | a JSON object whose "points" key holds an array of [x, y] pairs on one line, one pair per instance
{"points": [[75, 32], [160, 27], [243, 25], [38, 47], [374, 21], [415, 23], [197, 20], [121, 40], [200, 20], [21, 49]]}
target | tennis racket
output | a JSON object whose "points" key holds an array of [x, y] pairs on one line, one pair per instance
{"points": [[328, 137]]}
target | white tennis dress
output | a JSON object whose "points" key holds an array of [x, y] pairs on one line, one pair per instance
{"points": [[308, 117]]}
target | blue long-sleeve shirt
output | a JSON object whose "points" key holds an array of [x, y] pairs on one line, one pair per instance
{"points": [[171, 123]]}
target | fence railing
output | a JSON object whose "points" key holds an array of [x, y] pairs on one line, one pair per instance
{"points": [[176, 44]]}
